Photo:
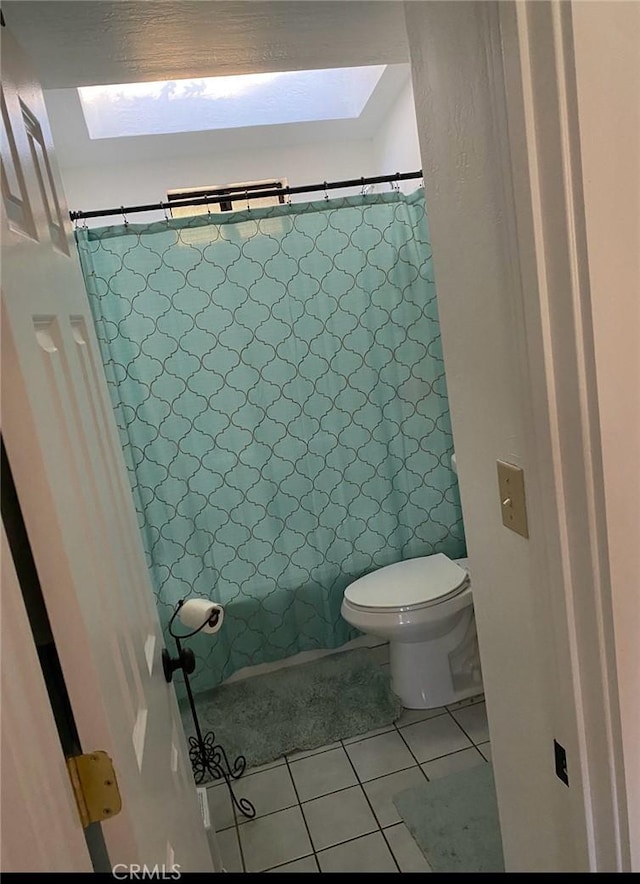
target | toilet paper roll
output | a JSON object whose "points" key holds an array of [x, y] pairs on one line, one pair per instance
{"points": [[195, 612]]}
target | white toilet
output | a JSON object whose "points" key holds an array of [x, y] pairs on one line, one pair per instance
{"points": [[424, 608]]}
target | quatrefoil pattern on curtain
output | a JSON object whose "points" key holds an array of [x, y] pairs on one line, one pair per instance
{"points": [[279, 388]]}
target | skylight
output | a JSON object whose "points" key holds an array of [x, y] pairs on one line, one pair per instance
{"points": [[227, 102]]}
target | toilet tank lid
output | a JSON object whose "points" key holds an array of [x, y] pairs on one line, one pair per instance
{"points": [[412, 582]]}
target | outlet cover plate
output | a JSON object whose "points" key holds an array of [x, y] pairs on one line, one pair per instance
{"points": [[512, 499]]}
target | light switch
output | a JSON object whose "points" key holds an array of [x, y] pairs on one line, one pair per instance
{"points": [[512, 499]]}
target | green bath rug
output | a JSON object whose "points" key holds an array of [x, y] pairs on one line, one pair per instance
{"points": [[455, 821], [300, 707]]}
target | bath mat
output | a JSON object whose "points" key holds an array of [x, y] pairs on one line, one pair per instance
{"points": [[300, 707], [455, 821]]}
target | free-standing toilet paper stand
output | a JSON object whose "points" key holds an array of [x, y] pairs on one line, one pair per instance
{"points": [[206, 756]]}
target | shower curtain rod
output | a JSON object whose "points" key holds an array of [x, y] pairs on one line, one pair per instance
{"points": [[228, 193]]}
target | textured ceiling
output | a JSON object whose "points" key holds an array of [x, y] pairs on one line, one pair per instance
{"points": [[88, 42]]}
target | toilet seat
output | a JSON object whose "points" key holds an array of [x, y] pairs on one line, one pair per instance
{"points": [[405, 586]]}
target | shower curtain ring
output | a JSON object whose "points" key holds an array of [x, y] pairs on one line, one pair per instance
{"points": [[124, 217], [363, 191], [246, 193], [326, 194], [164, 210]]}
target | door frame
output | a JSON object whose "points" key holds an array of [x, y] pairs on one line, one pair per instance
{"points": [[504, 169], [550, 237]]}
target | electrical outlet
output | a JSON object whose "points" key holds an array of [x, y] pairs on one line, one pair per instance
{"points": [[561, 762]]}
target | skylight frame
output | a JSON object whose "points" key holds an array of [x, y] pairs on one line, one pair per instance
{"points": [[217, 103]]}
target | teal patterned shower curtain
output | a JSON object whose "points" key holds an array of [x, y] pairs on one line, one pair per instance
{"points": [[278, 384]]}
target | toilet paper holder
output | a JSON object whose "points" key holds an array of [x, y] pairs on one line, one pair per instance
{"points": [[185, 660], [206, 756]]}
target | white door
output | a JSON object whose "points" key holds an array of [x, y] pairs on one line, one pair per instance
{"points": [[64, 453], [40, 828]]}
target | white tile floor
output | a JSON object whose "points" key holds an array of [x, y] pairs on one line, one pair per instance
{"points": [[332, 810]]}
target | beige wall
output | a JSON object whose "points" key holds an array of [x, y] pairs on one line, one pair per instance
{"points": [[607, 55]]}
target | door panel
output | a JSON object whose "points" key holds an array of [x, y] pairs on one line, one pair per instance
{"points": [[65, 455], [40, 829]]}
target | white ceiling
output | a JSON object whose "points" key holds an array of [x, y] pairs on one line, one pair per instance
{"points": [[89, 42]]}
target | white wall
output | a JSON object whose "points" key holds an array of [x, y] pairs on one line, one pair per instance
{"points": [[395, 146], [139, 170], [463, 149], [93, 187], [607, 55]]}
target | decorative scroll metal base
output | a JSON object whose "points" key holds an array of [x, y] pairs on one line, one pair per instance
{"points": [[206, 756], [209, 757]]}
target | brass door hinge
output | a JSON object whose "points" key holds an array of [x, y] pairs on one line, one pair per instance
{"points": [[95, 787]]}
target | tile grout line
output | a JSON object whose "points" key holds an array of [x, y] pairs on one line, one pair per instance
{"points": [[312, 753], [410, 749], [341, 744], [324, 795], [352, 740], [473, 743], [420, 720], [358, 838], [301, 804], [236, 826], [322, 751], [280, 865], [212, 784], [386, 841], [373, 813], [304, 819], [339, 844], [366, 782]]}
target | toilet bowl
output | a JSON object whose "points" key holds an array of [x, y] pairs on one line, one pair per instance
{"points": [[424, 608]]}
